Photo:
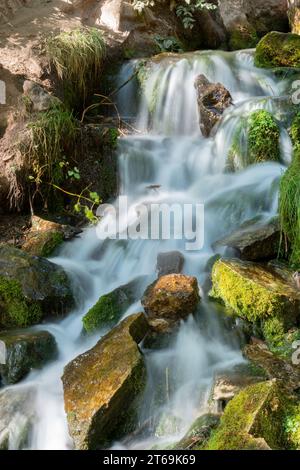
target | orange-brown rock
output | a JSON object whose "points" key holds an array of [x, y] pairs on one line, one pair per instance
{"points": [[101, 384], [170, 299]]}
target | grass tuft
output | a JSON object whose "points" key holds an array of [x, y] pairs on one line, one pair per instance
{"points": [[289, 207], [77, 57]]}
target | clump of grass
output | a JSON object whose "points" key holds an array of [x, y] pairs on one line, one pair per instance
{"points": [[289, 207], [51, 137], [77, 57]]}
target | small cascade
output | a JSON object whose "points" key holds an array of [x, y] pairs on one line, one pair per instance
{"points": [[168, 160]]}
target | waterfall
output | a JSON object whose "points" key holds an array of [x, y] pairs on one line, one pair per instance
{"points": [[168, 152]]}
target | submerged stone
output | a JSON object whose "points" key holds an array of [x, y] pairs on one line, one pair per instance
{"points": [[170, 299], [25, 351], [31, 288], [253, 420], [101, 384], [278, 50], [253, 241]]}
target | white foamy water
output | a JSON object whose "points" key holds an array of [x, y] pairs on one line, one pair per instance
{"points": [[169, 153]]}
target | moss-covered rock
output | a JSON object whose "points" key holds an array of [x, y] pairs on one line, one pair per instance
{"points": [[45, 236], [292, 426], [31, 288], [253, 241], [252, 420], [110, 307], [256, 140], [274, 367], [294, 15], [256, 293], [101, 384], [170, 299], [243, 37], [278, 50], [25, 351]]}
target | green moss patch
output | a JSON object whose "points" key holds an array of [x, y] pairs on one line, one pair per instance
{"points": [[278, 50], [256, 140], [15, 309]]}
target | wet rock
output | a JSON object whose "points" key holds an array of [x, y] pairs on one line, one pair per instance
{"points": [[101, 384], [253, 241], [170, 299], [45, 236], [170, 262], [110, 307], [278, 50], [274, 366], [39, 99], [228, 384], [213, 99], [31, 288], [25, 351], [253, 420], [199, 433], [294, 15], [16, 417], [260, 294]]}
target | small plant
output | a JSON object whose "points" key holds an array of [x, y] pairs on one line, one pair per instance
{"points": [[77, 57], [187, 10], [168, 44]]}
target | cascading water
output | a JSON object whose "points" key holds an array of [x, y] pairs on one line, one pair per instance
{"points": [[168, 154]]}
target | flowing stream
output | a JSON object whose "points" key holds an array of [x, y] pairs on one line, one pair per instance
{"points": [[168, 153]]}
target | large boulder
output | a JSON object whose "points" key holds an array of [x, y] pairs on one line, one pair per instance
{"points": [[278, 50], [294, 15], [25, 351], [17, 416], [213, 99], [253, 420], [31, 288], [247, 20], [110, 307], [253, 241], [101, 385], [256, 293], [170, 299]]}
